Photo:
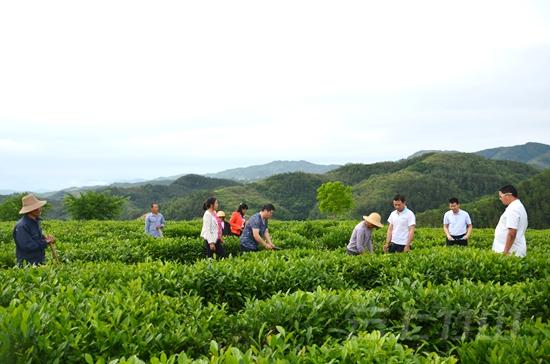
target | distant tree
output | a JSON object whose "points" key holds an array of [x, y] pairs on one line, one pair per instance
{"points": [[9, 208], [334, 198], [94, 206]]}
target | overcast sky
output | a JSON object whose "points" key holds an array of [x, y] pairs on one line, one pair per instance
{"points": [[101, 91]]}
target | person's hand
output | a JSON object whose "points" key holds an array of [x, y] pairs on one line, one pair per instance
{"points": [[386, 247], [270, 246], [466, 237], [407, 248], [50, 239], [212, 247], [449, 237], [506, 253]]}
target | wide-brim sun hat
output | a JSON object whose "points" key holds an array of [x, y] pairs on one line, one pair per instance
{"points": [[221, 214], [375, 219], [31, 203]]}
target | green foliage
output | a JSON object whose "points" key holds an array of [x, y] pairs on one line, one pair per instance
{"points": [[334, 198], [120, 296], [485, 212], [94, 206], [10, 206]]}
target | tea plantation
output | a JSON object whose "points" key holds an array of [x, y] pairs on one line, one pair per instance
{"points": [[118, 296]]}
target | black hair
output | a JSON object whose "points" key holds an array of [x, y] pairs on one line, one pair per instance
{"points": [[242, 206], [155, 203], [211, 201], [268, 207], [399, 197], [509, 189], [454, 200]]}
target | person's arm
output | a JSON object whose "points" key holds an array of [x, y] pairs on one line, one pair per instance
{"points": [[447, 233], [26, 242], [264, 242], [410, 238], [162, 222], [388, 237], [233, 221], [369, 245], [512, 223], [510, 238], [469, 233], [211, 233], [361, 241]]}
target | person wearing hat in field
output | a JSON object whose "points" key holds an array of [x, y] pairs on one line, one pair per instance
{"points": [[361, 237], [226, 228], [30, 242]]}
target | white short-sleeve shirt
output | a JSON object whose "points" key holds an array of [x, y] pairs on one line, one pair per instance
{"points": [[401, 221], [514, 217], [458, 223]]}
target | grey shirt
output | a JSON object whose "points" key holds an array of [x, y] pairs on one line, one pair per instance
{"points": [[361, 239]]}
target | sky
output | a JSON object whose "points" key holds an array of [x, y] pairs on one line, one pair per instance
{"points": [[93, 92]]}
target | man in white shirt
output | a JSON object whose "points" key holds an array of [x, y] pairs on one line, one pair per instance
{"points": [[510, 231], [457, 224], [401, 229]]}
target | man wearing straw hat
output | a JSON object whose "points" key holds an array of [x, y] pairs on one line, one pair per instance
{"points": [[30, 243], [361, 238]]}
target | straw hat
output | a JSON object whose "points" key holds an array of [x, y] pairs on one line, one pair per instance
{"points": [[374, 219], [31, 203], [221, 214]]}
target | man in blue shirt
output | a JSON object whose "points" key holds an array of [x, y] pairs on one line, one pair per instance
{"points": [[256, 231], [30, 243], [154, 222]]}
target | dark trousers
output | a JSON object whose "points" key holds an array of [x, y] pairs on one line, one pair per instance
{"points": [[244, 249], [220, 251], [396, 248], [351, 253], [458, 240]]}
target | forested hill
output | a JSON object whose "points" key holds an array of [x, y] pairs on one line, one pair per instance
{"points": [[485, 212], [428, 181]]}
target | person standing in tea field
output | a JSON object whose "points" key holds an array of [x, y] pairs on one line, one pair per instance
{"points": [[154, 222], [457, 224], [226, 229], [510, 231], [237, 220], [361, 237], [212, 229], [402, 223], [256, 231], [30, 242]]}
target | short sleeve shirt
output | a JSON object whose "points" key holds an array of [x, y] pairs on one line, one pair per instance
{"points": [[247, 237], [401, 221], [514, 217], [458, 223]]}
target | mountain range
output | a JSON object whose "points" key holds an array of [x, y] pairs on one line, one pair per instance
{"points": [[535, 154], [427, 179]]}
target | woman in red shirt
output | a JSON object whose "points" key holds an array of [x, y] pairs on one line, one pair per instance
{"points": [[237, 219]]}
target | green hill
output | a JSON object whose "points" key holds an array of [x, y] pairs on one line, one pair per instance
{"points": [[255, 173], [433, 178], [427, 180], [485, 212], [536, 154]]}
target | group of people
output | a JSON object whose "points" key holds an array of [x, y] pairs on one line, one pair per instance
{"points": [[509, 234], [252, 233], [31, 243]]}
